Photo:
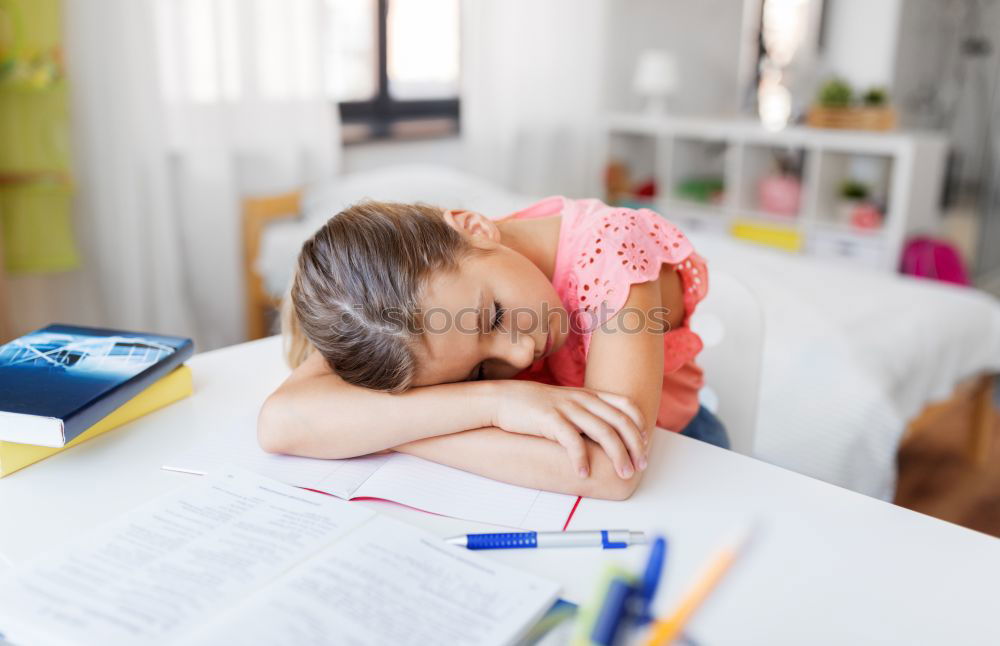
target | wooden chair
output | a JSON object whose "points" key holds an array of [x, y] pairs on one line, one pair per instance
{"points": [[257, 213]]}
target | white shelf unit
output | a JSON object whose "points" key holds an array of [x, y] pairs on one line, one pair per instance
{"points": [[905, 169]]}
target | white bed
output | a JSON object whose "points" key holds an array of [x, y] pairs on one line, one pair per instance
{"points": [[849, 357]]}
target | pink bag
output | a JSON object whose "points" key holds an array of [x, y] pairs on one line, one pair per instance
{"points": [[935, 259]]}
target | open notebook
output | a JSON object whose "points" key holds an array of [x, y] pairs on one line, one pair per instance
{"points": [[400, 478], [241, 559]]}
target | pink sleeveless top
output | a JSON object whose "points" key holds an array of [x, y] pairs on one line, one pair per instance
{"points": [[603, 251]]}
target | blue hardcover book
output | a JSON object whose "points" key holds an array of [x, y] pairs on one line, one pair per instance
{"points": [[57, 382]]}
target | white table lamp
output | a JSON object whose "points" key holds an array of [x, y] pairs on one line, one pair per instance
{"points": [[656, 78]]}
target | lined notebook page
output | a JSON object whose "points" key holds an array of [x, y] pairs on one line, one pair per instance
{"points": [[389, 583], [405, 479], [426, 485], [237, 445]]}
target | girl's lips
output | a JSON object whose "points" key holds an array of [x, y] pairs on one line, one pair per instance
{"points": [[548, 344]]}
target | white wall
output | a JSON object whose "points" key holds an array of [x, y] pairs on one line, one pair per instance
{"points": [[860, 40], [860, 44], [703, 34]]}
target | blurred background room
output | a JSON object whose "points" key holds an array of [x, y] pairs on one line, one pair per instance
{"points": [[161, 162]]}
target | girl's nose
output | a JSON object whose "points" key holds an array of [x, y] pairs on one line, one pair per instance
{"points": [[518, 350]]}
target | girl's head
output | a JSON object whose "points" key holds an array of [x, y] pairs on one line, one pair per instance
{"points": [[401, 295]]}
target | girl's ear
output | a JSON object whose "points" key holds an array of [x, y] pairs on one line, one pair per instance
{"points": [[472, 224]]}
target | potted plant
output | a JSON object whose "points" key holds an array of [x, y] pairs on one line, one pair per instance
{"points": [[852, 195], [835, 93], [875, 97], [836, 107], [856, 208]]}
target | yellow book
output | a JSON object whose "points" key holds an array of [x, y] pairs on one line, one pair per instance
{"points": [[176, 385], [781, 237]]}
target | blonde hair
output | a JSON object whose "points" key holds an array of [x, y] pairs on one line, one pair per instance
{"points": [[356, 293]]}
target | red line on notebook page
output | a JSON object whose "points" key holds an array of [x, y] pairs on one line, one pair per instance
{"points": [[565, 525], [318, 491], [391, 502], [571, 512]]}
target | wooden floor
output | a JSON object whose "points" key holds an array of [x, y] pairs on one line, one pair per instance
{"points": [[936, 478]]}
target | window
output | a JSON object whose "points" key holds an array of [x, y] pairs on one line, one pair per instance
{"points": [[394, 66]]}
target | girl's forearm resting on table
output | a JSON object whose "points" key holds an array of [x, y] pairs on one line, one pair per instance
{"points": [[524, 460], [316, 414], [320, 416]]}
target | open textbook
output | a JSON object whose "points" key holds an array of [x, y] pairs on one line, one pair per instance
{"points": [[240, 559], [401, 478]]}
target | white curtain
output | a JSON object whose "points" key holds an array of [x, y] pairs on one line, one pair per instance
{"points": [[180, 108], [533, 93]]}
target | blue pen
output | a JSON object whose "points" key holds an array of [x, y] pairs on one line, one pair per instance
{"points": [[611, 621], [627, 604], [650, 580], [603, 538]]}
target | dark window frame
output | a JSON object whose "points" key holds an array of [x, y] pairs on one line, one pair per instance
{"points": [[382, 111]]}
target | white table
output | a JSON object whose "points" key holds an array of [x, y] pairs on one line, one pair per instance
{"points": [[828, 566]]}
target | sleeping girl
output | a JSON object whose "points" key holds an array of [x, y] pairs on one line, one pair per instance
{"points": [[542, 349]]}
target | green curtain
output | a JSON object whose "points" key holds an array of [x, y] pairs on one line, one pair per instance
{"points": [[35, 180]]}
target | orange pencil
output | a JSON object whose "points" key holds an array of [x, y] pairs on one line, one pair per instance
{"points": [[667, 630]]}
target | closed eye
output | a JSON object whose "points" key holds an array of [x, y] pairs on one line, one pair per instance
{"points": [[477, 372], [497, 315]]}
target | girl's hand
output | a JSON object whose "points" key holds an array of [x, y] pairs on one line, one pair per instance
{"points": [[565, 415]]}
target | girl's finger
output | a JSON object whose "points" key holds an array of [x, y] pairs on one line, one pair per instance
{"points": [[576, 449], [623, 424], [604, 434], [625, 405]]}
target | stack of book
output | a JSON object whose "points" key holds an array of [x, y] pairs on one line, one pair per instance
{"points": [[63, 385]]}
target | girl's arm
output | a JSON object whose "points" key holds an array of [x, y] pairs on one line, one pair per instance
{"points": [[626, 355], [620, 360], [526, 461], [317, 414]]}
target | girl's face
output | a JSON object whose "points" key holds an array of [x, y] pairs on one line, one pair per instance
{"points": [[490, 318]]}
